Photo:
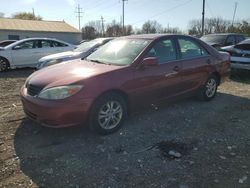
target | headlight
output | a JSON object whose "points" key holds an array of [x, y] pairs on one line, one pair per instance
{"points": [[43, 64], [52, 62], [61, 92]]}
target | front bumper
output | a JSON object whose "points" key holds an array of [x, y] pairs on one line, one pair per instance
{"points": [[55, 113], [238, 65]]}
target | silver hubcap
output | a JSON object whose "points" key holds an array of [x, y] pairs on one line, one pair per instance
{"points": [[3, 65], [211, 87], [110, 115]]}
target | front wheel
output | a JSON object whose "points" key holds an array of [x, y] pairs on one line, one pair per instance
{"points": [[209, 90], [108, 113]]}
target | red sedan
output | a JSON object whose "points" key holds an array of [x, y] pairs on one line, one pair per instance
{"points": [[123, 74]]}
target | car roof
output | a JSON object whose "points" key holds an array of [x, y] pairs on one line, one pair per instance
{"points": [[37, 38], [224, 34], [153, 36]]}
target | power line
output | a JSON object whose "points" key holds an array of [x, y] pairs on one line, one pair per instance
{"points": [[79, 15], [210, 10], [165, 11], [235, 8]]}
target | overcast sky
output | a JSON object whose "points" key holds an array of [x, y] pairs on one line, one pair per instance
{"points": [[176, 13]]}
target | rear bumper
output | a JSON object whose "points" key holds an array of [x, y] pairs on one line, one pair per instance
{"points": [[56, 114]]}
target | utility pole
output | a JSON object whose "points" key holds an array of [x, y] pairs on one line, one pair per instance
{"points": [[203, 18], [102, 20], [235, 8], [123, 1], [79, 16], [33, 12]]}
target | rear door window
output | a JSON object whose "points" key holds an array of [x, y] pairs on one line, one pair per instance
{"points": [[46, 44], [190, 49]]}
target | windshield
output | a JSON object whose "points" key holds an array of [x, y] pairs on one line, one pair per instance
{"points": [[84, 47], [119, 51], [217, 39]]}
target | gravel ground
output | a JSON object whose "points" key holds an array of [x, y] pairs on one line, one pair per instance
{"points": [[184, 144]]}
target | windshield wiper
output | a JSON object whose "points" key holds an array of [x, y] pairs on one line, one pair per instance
{"points": [[96, 61]]}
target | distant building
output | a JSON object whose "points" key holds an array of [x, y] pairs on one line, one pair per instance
{"points": [[16, 29]]}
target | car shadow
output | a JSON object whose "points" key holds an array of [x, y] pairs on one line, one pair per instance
{"points": [[75, 157], [242, 76], [17, 73]]}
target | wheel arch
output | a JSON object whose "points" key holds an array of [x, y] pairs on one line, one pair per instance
{"points": [[120, 92], [217, 74]]}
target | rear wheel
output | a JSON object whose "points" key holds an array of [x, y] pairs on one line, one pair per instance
{"points": [[209, 90], [4, 65], [108, 113]]}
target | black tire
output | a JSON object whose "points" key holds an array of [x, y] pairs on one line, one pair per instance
{"points": [[208, 93], [97, 122], [4, 64]]}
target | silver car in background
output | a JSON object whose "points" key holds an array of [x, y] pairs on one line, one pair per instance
{"points": [[240, 55], [81, 51]]}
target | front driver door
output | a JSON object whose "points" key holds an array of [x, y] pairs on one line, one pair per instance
{"points": [[155, 83]]}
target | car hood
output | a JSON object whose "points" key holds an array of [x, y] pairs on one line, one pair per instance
{"points": [[73, 72], [61, 55]]}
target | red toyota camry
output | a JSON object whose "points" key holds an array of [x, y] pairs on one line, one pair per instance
{"points": [[123, 74]]}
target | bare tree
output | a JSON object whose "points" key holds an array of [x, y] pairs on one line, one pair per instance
{"points": [[128, 30], [97, 25], [212, 25], [151, 27], [88, 32], [114, 29]]}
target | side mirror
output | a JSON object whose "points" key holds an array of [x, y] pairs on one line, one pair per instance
{"points": [[16, 48], [150, 61]]}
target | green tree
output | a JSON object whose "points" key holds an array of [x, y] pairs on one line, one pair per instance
{"points": [[26, 16]]}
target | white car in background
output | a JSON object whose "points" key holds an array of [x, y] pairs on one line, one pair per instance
{"points": [[27, 52], [81, 51]]}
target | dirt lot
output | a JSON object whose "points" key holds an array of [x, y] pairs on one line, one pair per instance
{"points": [[212, 140]]}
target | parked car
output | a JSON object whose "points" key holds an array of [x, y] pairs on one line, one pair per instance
{"points": [[81, 51], [26, 52], [240, 55], [223, 39], [122, 75], [6, 42]]}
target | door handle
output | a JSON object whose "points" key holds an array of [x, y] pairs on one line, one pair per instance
{"points": [[176, 68]]}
